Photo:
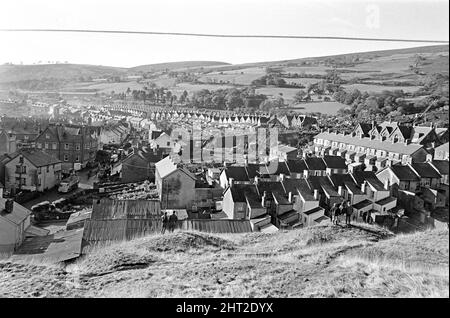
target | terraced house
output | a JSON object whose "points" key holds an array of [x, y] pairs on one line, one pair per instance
{"points": [[375, 151], [74, 145]]}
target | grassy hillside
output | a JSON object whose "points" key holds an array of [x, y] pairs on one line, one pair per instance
{"points": [[175, 66], [13, 73], [322, 261]]}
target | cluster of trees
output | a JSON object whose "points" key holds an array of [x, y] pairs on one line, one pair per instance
{"points": [[270, 79], [154, 94], [363, 104], [393, 103], [183, 77], [230, 99]]}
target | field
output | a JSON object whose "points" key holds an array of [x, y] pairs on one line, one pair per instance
{"points": [[104, 87], [243, 76], [371, 88], [329, 108], [321, 261]]}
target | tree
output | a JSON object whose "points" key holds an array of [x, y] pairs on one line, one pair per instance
{"points": [[299, 96]]}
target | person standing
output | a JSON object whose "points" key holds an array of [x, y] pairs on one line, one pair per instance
{"points": [[164, 221], [348, 213], [333, 213], [337, 214], [173, 221]]}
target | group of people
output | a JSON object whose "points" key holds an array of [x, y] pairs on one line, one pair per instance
{"points": [[169, 222], [339, 210]]}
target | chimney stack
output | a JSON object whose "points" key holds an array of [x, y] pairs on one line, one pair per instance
{"points": [[363, 187], [386, 184], [340, 190], [282, 176], [316, 194], [290, 197], [9, 206], [257, 180], [231, 182]]}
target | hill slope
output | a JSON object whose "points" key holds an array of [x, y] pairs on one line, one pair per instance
{"points": [[322, 261], [175, 66], [13, 73]]}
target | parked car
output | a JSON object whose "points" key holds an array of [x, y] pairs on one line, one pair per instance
{"points": [[69, 184]]}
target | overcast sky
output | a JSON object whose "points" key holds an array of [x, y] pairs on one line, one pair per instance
{"points": [[426, 19]]}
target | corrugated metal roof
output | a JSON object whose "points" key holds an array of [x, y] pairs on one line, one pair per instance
{"points": [[76, 220], [107, 209], [118, 230], [217, 226], [55, 248]]}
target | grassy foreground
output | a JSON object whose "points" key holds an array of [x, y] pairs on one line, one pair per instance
{"points": [[321, 261]]}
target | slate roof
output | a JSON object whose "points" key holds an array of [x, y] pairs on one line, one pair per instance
{"points": [[239, 191], [296, 166], [270, 187], [340, 179], [315, 164], [238, 173], [299, 186], [37, 158], [376, 183], [425, 170], [442, 166], [404, 172], [335, 162], [360, 176]]}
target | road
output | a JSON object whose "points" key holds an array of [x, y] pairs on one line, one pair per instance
{"points": [[53, 194]]}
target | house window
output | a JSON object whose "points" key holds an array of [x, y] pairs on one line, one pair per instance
{"points": [[47, 136], [21, 169], [77, 158], [168, 143], [77, 147], [46, 145], [48, 169], [66, 157], [39, 145], [54, 145], [66, 146]]}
